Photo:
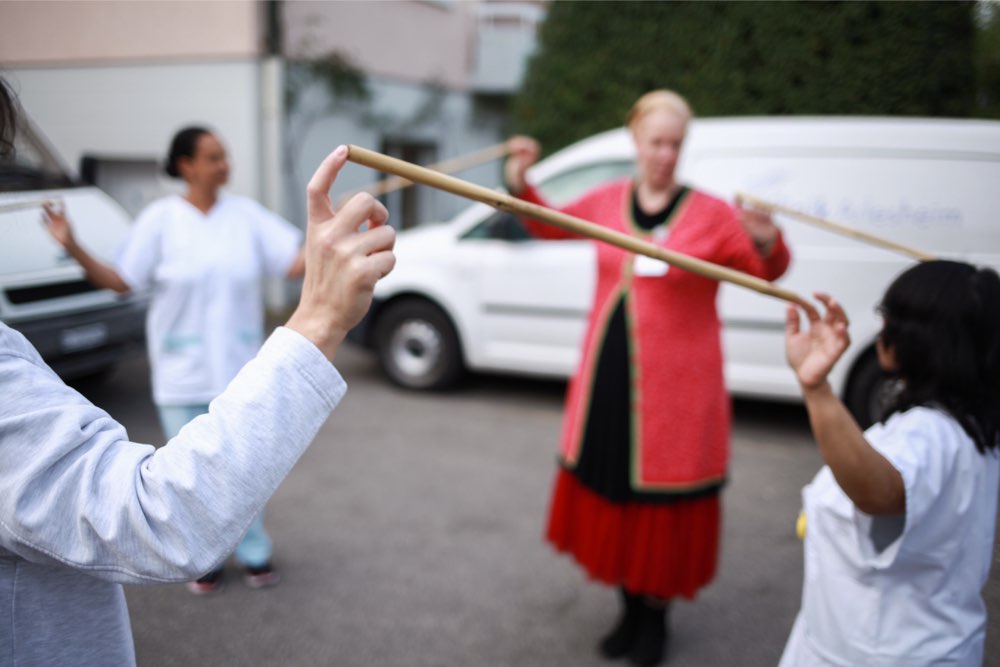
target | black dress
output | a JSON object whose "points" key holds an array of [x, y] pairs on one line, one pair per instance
{"points": [[603, 466]]}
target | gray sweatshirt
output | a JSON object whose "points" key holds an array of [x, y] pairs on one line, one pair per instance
{"points": [[83, 510]]}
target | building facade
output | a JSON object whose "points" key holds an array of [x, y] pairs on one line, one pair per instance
{"points": [[431, 81], [283, 82]]}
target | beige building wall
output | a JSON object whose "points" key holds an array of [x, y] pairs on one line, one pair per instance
{"points": [[438, 73], [406, 40], [131, 111], [34, 32], [116, 78]]}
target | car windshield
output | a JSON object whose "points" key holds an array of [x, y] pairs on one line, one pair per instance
{"points": [[32, 166], [558, 190], [566, 186]]}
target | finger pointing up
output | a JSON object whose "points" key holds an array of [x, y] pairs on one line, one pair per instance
{"points": [[318, 191]]}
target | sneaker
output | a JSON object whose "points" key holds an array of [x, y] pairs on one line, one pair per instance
{"points": [[260, 576], [210, 583]]}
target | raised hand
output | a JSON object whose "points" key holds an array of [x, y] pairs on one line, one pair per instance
{"points": [[812, 353], [342, 262], [524, 152], [759, 224], [54, 217]]}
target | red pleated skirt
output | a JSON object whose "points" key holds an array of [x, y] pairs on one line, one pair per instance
{"points": [[664, 550]]}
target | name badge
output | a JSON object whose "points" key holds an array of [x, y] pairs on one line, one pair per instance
{"points": [[649, 267]]}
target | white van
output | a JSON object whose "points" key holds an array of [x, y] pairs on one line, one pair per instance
{"points": [[478, 293], [78, 329]]}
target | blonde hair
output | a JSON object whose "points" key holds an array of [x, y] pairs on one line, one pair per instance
{"points": [[658, 100]]}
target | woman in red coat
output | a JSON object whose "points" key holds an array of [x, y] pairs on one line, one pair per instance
{"points": [[645, 443]]}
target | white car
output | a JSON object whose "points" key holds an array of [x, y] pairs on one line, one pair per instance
{"points": [[80, 330], [478, 293]]}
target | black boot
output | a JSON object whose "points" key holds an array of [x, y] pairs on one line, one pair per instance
{"points": [[621, 639], [651, 643]]}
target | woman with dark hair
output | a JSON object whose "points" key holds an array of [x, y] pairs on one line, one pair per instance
{"points": [[203, 255], [900, 521]]}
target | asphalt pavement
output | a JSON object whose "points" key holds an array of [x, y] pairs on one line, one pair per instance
{"points": [[410, 534]]}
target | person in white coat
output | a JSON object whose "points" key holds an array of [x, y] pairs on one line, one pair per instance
{"points": [[203, 255], [899, 524]]}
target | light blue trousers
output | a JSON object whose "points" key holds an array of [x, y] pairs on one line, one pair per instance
{"points": [[255, 548]]}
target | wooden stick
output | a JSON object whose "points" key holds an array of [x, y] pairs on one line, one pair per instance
{"points": [[836, 227], [23, 205], [505, 202], [445, 167]]}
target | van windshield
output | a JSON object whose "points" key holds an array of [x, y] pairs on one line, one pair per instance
{"points": [[32, 166]]}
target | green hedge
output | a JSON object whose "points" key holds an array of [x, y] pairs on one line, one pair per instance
{"points": [[745, 58], [988, 60]]}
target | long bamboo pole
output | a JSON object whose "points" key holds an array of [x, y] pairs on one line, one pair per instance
{"points": [[505, 202], [23, 205], [445, 167], [836, 227]]}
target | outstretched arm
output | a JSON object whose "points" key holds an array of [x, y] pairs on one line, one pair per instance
{"points": [[524, 152], [74, 490], [770, 256], [869, 480], [99, 273]]}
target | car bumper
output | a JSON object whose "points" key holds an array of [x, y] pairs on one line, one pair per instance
{"points": [[78, 344]]}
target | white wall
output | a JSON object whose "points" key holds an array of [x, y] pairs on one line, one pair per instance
{"points": [[505, 39], [408, 40], [133, 110]]}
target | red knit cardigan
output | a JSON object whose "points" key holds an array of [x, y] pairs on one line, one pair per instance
{"points": [[680, 410]]}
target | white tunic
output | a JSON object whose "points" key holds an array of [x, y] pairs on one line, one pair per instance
{"points": [[206, 319], [901, 591]]}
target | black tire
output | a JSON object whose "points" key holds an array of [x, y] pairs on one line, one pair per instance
{"points": [[868, 390], [417, 346]]}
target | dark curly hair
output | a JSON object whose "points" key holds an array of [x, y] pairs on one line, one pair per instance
{"points": [[183, 144], [942, 321]]}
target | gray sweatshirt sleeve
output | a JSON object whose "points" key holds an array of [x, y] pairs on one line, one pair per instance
{"points": [[75, 491]]}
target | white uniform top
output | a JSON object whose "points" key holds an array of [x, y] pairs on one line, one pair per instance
{"points": [[206, 319], [901, 591]]}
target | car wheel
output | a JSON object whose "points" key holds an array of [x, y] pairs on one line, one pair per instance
{"points": [[869, 390], [417, 346]]}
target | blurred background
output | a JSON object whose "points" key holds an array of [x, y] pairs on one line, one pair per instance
{"points": [[285, 81]]}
